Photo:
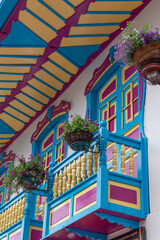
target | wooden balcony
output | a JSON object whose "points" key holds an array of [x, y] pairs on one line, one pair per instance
{"points": [[92, 197]]}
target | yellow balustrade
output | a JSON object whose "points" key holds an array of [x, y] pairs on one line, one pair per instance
{"points": [[64, 179], [60, 183], [131, 162], [37, 207], [89, 169], [123, 159], [74, 168], [84, 160], [79, 170], [55, 187], [69, 177], [12, 214], [95, 158], [114, 157]]}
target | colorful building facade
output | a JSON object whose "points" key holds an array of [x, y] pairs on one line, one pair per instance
{"points": [[57, 59]]}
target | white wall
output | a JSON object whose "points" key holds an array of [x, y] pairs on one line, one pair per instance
{"points": [[75, 95]]}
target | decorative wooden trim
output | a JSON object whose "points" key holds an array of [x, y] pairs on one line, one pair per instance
{"points": [[61, 109], [8, 157]]}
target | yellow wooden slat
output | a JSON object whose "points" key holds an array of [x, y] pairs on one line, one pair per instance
{"points": [[93, 30], [59, 73], [2, 99], [39, 28], [63, 62], [17, 114], [10, 77], [102, 18], [5, 92], [60, 7], [14, 69], [114, 5], [12, 122], [42, 87], [30, 102], [36, 95], [21, 51], [12, 60], [81, 41], [45, 14], [6, 135], [3, 140], [21, 107], [47, 78], [75, 2], [8, 85]]}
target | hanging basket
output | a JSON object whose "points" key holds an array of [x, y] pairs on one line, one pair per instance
{"points": [[28, 183], [147, 59], [79, 141]]}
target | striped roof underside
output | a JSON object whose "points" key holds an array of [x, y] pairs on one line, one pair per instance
{"points": [[46, 48]]}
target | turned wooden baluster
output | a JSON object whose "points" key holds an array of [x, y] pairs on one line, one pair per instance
{"points": [[79, 170], [60, 183], [89, 169], [37, 207], [123, 159], [69, 176], [74, 167], [95, 158], [19, 211], [64, 179], [114, 150], [23, 206], [131, 162], [12, 215], [84, 160], [3, 221], [0, 222], [55, 186], [44, 202], [9, 217], [16, 212]]}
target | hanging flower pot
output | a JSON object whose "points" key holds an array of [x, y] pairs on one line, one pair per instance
{"points": [[140, 48], [26, 175], [147, 59], [79, 141], [78, 133]]}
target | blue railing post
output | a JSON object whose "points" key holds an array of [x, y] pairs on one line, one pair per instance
{"points": [[26, 218], [102, 174], [46, 210]]}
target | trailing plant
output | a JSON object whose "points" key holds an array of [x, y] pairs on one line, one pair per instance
{"points": [[34, 168], [78, 124], [132, 39]]}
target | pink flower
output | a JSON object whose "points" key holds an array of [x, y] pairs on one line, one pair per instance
{"points": [[17, 156], [44, 171], [37, 153], [11, 173], [40, 180], [29, 158], [6, 165], [43, 163], [86, 125], [35, 163], [71, 116]]}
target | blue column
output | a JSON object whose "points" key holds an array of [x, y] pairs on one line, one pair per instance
{"points": [[46, 210], [26, 218], [102, 174]]}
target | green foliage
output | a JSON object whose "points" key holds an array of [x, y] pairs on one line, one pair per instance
{"points": [[33, 167], [78, 125]]}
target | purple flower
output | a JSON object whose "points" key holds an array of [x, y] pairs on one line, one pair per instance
{"points": [[44, 171], [40, 180], [11, 173], [89, 120], [71, 116], [43, 163], [86, 125], [6, 165], [35, 163], [40, 165], [17, 156], [37, 153]]}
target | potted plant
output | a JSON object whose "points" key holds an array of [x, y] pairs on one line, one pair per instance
{"points": [[140, 48], [79, 132], [27, 175]]}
